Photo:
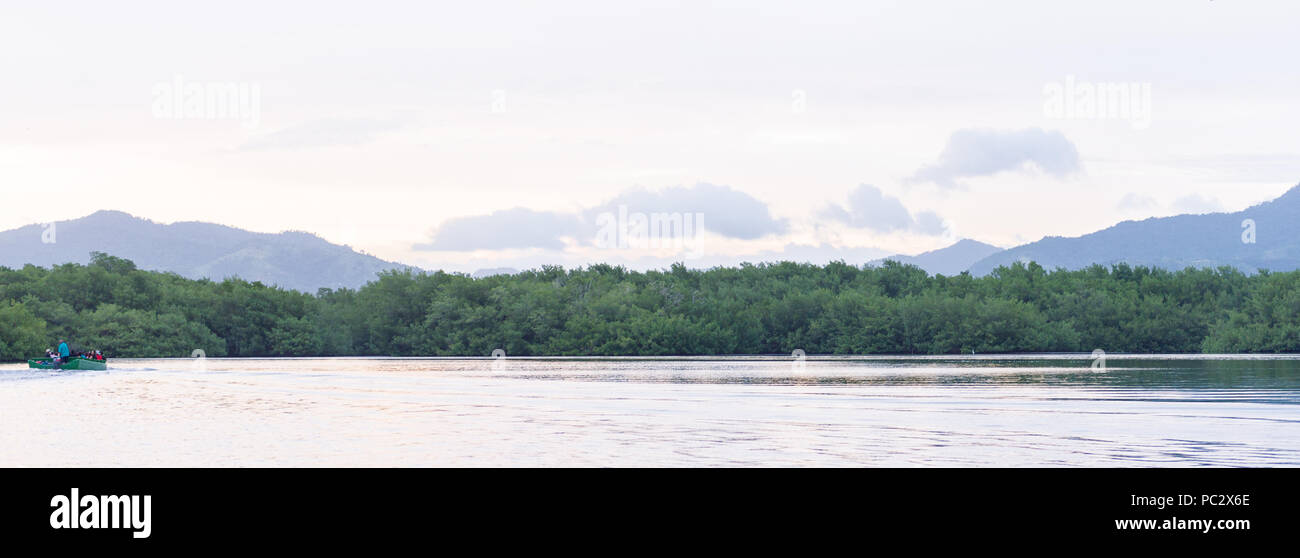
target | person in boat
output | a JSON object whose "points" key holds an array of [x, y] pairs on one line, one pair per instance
{"points": [[62, 354]]}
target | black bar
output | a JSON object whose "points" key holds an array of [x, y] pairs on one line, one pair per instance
{"points": [[321, 508]]}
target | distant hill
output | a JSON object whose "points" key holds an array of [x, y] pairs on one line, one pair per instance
{"points": [[493, 271], [1177, 242], [951, 260], [293, 260]]}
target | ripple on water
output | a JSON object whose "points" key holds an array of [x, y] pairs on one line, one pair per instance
{"points": [[1019, 410]]}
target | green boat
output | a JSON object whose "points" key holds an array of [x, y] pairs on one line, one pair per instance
{"points": [[74, 363]]}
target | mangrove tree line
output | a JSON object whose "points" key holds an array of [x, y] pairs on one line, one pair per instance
{"points": [[608, 310]]}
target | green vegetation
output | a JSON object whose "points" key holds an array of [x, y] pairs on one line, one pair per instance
{"points": [[21, 333], [606, 310]]}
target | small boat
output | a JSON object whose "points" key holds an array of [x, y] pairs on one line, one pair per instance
{"points": [[73, 363]]}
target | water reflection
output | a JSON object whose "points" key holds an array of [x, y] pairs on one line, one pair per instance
{"points": [[1031, 410]]}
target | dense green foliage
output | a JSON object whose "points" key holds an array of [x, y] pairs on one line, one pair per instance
{"points": [[21, 333], [606, 310]]}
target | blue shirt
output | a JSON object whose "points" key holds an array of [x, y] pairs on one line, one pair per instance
{"points": [[63, 350]]}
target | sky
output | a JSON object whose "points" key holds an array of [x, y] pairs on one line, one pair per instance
{"points": [[463, 136]]}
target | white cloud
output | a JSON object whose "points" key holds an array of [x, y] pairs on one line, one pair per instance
{"points": [[728, 212], [869, 208], [721, 210], [506, 229], [986, 152], [1196, 203], [1189, 203], [1136, 202]]}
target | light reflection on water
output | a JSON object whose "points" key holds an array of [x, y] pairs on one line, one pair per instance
{"points": [[1019, 410]]}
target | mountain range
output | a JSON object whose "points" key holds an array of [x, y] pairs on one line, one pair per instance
{"points": [[951, 260], [1264, 236], [293, 260]]}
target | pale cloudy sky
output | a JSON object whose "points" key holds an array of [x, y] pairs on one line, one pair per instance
{"points": [[465, 135]]}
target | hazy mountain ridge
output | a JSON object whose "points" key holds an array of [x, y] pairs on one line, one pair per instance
{"points": [[1177, 242], [493, 271], [293, 260], [305, 262], [950, 260]]}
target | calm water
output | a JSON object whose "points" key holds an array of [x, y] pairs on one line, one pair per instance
{"points": [[1039, 410]]}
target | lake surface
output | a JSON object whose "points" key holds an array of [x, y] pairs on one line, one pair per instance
{"points": [[1019, 410]]}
